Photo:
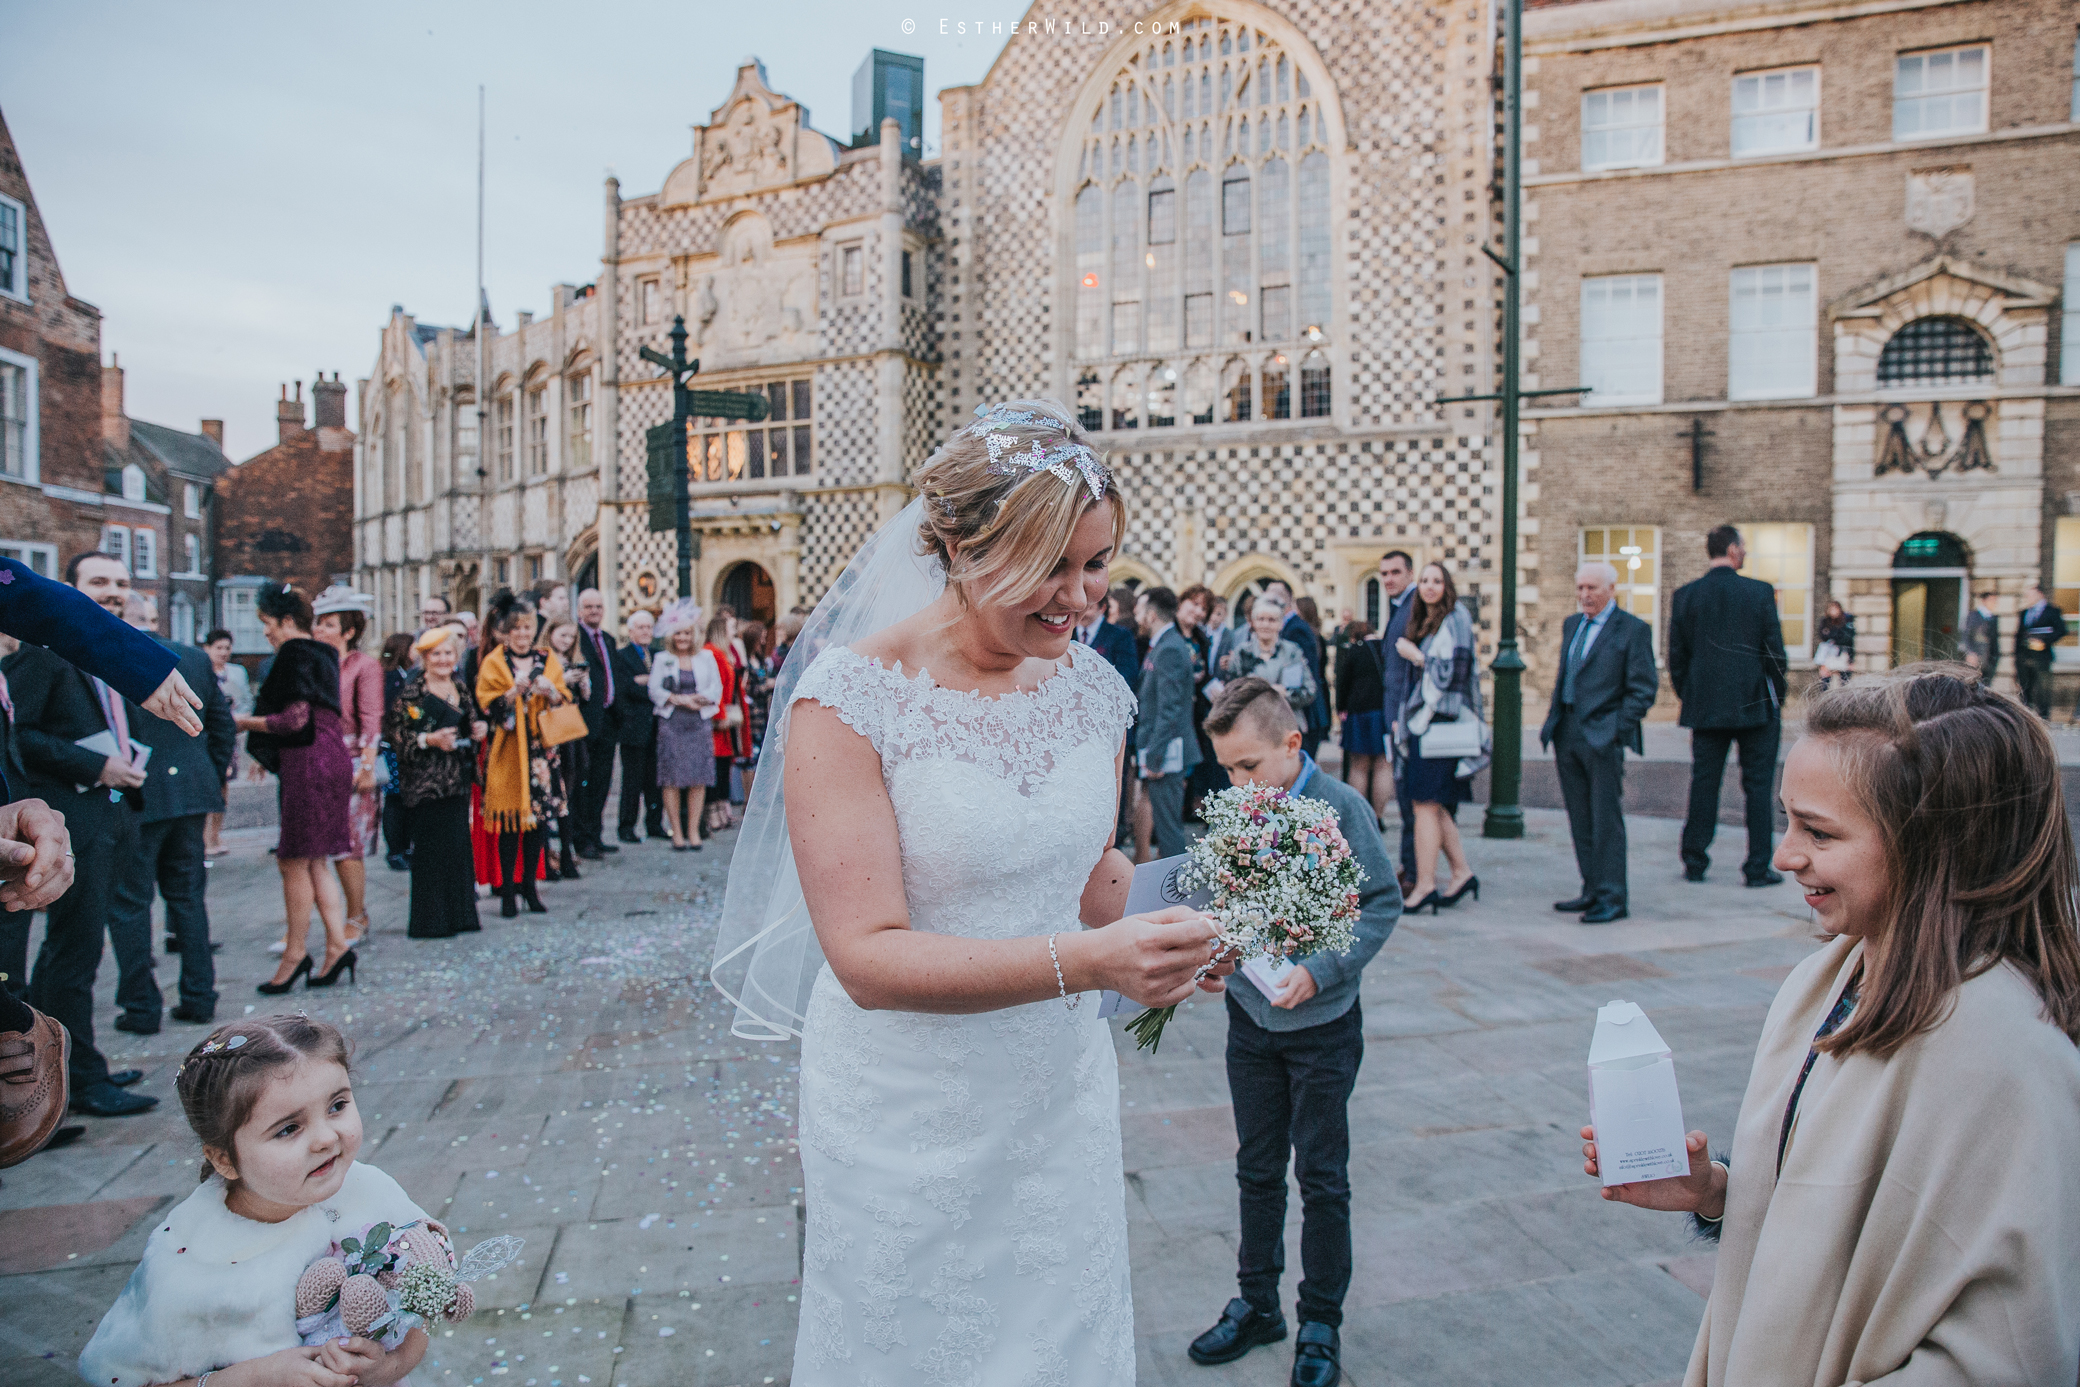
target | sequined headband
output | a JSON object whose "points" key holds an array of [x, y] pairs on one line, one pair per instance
{"points": [[1008, 458]]}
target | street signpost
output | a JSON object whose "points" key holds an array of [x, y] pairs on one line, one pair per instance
{"points": [[1505, 817], [671, 506]]}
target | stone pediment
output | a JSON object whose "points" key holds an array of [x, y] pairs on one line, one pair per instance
{"points": [[755, 141], [1872, 300]]}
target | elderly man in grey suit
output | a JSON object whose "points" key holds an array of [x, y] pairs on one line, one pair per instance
{"points": [[1607, 684], [1166, 747]]}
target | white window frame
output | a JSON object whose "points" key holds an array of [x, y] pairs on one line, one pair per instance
{"points": [[1607, 284], [1634, 158], [135, 486], [1903, 101], [115, 542], [1797, 533], [191, 500], [180, 619], [16, 285], [2069, 326], [144, 552], [191, 556], [1794, 339], [238, 612], [27, 552], [32, 445], [851, 255], [1764, 115], [1628, 589]]}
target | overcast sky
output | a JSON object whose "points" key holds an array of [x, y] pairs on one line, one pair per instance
{"points": [[244, 189]]}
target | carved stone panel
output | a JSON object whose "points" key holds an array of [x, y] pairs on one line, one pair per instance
{"points": [[754, 304], [1939, 200], [756, 140]]}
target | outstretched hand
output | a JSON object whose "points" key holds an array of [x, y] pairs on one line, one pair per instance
{"points": [[1702, 1191], [174, 701]]}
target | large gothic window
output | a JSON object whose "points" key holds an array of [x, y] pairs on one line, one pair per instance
{"points": [[1202, 238]]}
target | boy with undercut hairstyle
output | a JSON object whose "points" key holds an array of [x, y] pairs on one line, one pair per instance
{"points": [[1292, 1062]]}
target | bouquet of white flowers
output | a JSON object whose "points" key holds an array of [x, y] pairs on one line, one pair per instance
{"points": [[1283, 882]]}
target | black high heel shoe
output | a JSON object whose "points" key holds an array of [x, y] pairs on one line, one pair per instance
{"points": [[347, 962], [506, 904], [1416, 907], [569, 870], [534, 902], [1473, 884], [276, 989]]}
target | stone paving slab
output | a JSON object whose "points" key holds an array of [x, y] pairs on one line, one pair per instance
{"points": [[645, 1155]]}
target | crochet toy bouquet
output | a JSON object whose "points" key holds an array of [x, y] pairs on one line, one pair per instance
{"points": [[389, 1280], [1283, 882]]}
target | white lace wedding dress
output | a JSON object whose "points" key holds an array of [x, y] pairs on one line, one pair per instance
{"points": [[966, 1205]]}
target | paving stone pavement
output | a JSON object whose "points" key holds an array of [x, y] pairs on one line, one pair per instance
{"points": [[570, 1078]]}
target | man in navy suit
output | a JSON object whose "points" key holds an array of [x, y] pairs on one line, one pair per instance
{"points": [[1397, 577], [606, 695], [636, 731], [1607, 684], [1726, 660], [1116, 644], [2042, 627], [1296, 630]]}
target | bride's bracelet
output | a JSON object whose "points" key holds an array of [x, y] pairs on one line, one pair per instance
{"points": [[1056, 960]]}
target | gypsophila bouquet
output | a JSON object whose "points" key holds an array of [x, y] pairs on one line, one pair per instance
{"points": [[1284, 884]]}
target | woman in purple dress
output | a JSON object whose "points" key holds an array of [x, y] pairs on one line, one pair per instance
{"points": [[295, 732]]}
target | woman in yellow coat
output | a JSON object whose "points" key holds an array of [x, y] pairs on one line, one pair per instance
{"points": [[1902, 1199], [516, 684]]}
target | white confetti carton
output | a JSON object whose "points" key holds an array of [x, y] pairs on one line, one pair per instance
{"points": [[1633, 1102]]}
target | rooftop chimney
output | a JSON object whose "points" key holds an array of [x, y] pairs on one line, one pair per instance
{"points": [[288, 414], [213, 430], [328, 402], [115, 424]]}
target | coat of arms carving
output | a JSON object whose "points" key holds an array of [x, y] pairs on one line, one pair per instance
{"points": [[1939, 200]]}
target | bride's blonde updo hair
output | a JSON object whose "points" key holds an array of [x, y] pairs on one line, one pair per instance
{"points": [[1002, 497]]}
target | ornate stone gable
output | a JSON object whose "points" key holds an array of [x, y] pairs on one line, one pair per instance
{"points": [[755, 140]]}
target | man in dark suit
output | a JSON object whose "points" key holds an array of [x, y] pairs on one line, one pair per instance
{"points": [[1981, 645], [2037, 635], [1166, 746], [184, 785], [1397, 577], [1116, 644], [56, 708], [1309, 641], [1726, 660], [1607, 683], [605, 695], [636, 731]]}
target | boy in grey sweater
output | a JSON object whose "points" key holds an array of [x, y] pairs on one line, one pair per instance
{"points": [[1292, 1061]]}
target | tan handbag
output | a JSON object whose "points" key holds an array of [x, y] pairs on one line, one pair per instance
{"points": [[563, 723], [733, 716]]}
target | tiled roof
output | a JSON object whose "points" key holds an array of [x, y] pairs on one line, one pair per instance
{"points": [[190, 454]]}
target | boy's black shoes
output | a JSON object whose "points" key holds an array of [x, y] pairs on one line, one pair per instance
{"points": [[1242, 1327], [1317, 1351]]}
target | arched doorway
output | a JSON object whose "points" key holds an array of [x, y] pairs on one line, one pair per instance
{"points": [[1244, 597], [747, 590], [1929, 573]]}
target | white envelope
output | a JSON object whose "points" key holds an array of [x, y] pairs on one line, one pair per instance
{"points": [[1154, 888], [103, 743], [1269, 974], [1633, 1101]]}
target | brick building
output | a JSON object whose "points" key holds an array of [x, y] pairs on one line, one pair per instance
{"points": [[1811, 260], [159, 496], [52, 500], [435, 514], [286, 515]]}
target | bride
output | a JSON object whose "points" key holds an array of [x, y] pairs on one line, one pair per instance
{"points": [[960, 1134]]}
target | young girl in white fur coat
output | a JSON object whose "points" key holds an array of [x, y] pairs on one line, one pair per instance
{"points": [[213, 1303]]}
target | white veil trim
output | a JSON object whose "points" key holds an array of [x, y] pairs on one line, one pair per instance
{"points": [[766, 952]]}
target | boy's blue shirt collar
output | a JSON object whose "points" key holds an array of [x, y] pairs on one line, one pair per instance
{"points": [[1306, 774]]}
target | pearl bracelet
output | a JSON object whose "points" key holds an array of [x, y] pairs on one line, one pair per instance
{"points": [[1056, 959]]}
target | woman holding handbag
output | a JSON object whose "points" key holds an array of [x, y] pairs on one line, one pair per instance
{"points": [[1440, 736], [342, 619], [521, 692]]}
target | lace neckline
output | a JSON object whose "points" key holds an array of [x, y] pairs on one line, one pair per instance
{"points": [[923, 680]]}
